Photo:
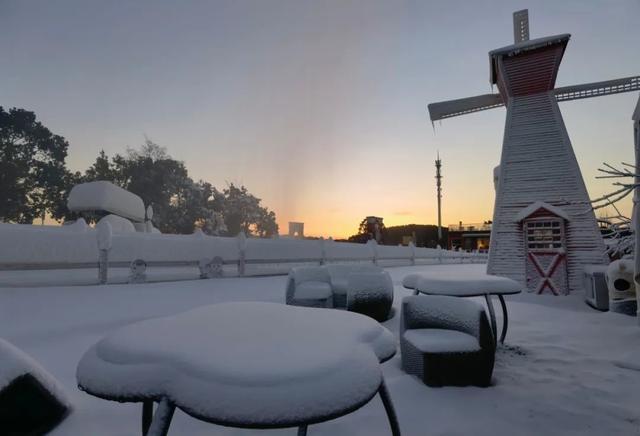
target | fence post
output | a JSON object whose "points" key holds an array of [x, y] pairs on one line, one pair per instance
{"points": [[323, 253], [412, 247], [104, 235], [242, 252], [374, 249]]}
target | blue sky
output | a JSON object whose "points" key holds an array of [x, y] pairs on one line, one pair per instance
{"points": [[318, 107]]}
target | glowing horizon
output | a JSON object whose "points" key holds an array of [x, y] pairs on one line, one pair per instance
{"points": [[319, 108]]}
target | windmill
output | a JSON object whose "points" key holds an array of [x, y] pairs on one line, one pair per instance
{"points": [[541, 234]]}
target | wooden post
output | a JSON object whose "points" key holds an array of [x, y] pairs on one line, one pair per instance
{"points": [[242, 252], [104, 235], [323, 253], [412, 247], [374, 249]]}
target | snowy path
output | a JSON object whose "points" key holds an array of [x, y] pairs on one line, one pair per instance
{"points": [[555, 376]]}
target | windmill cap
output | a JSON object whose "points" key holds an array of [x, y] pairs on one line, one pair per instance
{"points": [[523, 46]]}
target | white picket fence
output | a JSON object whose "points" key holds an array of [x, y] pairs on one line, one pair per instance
{"points": [[71, 247]]}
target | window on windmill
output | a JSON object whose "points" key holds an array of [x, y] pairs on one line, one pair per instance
{"points": [[544, 235]]}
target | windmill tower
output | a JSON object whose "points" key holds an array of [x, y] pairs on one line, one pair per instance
{"points": [[542, 235]]}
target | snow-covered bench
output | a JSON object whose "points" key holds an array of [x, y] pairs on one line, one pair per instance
{"points": [[244, 364], [446, 341]]}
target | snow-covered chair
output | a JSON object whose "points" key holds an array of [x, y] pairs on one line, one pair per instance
{"points": [[340, 280], [370, 293], [32, 402], [309, 286], [446, 341]]}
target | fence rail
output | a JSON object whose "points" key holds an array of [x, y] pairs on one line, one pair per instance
{"points": [[61, 249]]}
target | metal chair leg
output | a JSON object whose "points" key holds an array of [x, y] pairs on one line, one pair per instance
{"points": [[492, 316], [162, 418], [505, 319], [388, 407], [147, 416]]}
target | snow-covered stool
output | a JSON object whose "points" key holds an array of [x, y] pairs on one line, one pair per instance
{"points": [[309, 286], [32, 402], [371, 294], [244, 364], [446, 341], [470, 285]]}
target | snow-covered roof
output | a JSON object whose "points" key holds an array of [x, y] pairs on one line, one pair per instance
{"points": [[524, 213], [523, 46], [103, 195]]}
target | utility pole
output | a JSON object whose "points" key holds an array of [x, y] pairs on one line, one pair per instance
{"points": [[439, 189]]}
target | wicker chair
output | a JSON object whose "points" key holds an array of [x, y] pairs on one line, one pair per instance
{"points": [[340, 279], [371, 294], [309, 286], [446, 341]]}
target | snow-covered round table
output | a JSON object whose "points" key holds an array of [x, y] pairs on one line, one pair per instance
{"points": [[468, 285], [243, 364]]}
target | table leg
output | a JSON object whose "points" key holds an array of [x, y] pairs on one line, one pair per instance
{"points": [[492, 316], [302, 430], [147, 415], [388, 407], [162, 418], [505, 319]]}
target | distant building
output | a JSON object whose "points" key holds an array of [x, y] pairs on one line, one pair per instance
{"points": [[296, 229], [372, 225], [469, 237]]}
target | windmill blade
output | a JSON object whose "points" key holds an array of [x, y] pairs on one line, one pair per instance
{"points": [[597, 89], [521, 26], [463, 106]]}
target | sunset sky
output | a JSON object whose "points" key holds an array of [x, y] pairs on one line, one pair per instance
{"points": [[318, 107]]}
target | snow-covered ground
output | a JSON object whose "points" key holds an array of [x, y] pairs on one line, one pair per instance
{"points": [[557, 374]]}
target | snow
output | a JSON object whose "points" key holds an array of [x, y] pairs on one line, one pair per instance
{"points": [[464, 285], [103, 195], [15, 363], [442, 341], [558, 374], [235, 375], [530, 44], [118, 224], [438, 311], [340, 275], [533, 207]]}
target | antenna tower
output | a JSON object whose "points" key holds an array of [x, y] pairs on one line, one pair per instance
{"points": [[439, 189]]}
